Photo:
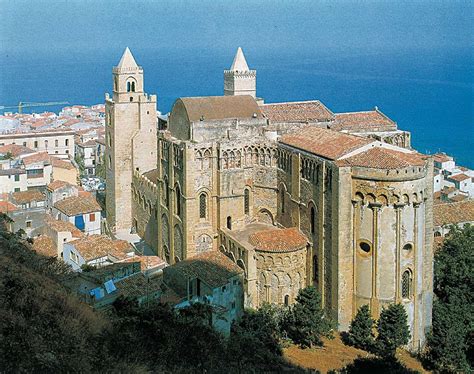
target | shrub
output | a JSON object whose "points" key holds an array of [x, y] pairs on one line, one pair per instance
{"points": [[360, 333]]}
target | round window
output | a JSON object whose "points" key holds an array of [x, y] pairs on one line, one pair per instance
{"points": [[365, 246]]}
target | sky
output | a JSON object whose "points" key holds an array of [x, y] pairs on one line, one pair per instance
{"points": [[357, 27]]}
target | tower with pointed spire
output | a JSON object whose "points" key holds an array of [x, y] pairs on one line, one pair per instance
{"points": [[131, 126], [239, 79]]}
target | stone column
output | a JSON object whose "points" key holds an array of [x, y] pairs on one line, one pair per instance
{"points": [[374, 301]]}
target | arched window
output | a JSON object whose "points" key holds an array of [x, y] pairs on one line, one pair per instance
{"points": [[166, 192], [406, 284], [282, 198], [229, 222], [246, 201], [202, 205], [437, 234], [287, 300], [129, 87], [312, 219], [133, 86], [315, 268], [178, 201]]}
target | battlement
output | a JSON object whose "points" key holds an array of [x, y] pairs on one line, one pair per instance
{"points": [[241, 74], [129, 70]]}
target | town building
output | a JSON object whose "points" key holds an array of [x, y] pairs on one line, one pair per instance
{"points": [[292, 193], [83, 212]]}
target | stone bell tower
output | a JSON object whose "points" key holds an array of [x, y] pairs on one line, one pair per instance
{"points": [[240, 80], [131, 142]]}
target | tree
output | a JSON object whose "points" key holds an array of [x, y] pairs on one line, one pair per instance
{"points": [[306, 322], [393, 330], [360, 333], [450, 343]]}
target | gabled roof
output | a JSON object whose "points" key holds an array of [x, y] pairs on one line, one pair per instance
{"points": [[62, 164], [373, 120], [278, 240], [302, 112], [459, 177], [95, 246], [213, 268], [239, 63], [75, 205], [36, 158], [23, 197], [325, 143], [44, 245], [127, 60], [384, 158], [15, 150], [6, 206], [57, 184], [210, 108], [63, 226]]}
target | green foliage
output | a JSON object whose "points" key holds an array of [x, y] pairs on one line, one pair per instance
{"points": [[360, 333], [450, 344], [393, 330], [375, 365], [80, 163], [6, 156], [306, 322], [100, 170]]}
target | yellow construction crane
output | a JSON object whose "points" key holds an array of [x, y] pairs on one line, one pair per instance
{"points": [[23, 104]]}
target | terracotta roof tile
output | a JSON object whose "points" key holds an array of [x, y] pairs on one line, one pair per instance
{"points": [[453, 213], [322, 142], [212, 108], [62, 226], [363, 121], [75, 205], [24, 197], [15, 149], [58, 163], [299, 112], [384, 158], [35, 158], [146, 262], [442, 157], [6, 206], [44, 245], [96, 246], [139, 285], [213, 268], [459, 177], [57, 184], [278, 240]]}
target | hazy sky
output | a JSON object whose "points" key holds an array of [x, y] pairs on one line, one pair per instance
{"points": [[357, 27]]}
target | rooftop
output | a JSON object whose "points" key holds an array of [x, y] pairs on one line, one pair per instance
{"points": [[442, 157], [453, 213], [6, 206], [459, 177], [58, 163], [278, 240], [302, 112], [24, 197], [15, 150], [213, 268], [210, 108], [63, 226], [36, 158], [139, 285], [57, 184], [75, 205], [239, 63], [96, 246], [373, 120], [329, 144], [384, 158], [44, 245]]}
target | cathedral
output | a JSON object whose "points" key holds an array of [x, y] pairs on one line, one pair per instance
{"points": [[292, 192]]}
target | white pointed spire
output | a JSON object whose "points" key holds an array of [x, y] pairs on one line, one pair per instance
{"points": [[239, 64], [127, 60]]}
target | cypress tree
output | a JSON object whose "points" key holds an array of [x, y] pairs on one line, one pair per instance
{"points": [[393, 330]]}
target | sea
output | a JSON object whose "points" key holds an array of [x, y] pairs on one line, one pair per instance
{"points": [[427, 93]]}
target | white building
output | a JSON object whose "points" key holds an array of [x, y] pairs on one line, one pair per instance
{"points": [[83, 212]]}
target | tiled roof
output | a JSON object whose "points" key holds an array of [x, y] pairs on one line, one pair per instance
{"points": [[62, 226], [442, 157], [139, 285], [6, 206], [146, 262], [44, 245], [96, 246], [384, 158], [23, 197], [35, 158], [300, 111], [278, 240], [75, 205], [57, 184], [213, 268], [15, 149], [453, 213], [212, 108], [58, 163], [322, 142], [372, 120], [459, 177], [89, 143]]}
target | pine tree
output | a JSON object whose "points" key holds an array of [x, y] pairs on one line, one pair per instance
{"points": [[361, 329], [393, 330], [306, 322]]}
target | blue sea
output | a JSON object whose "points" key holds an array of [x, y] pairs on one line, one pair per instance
{"points": [[427, 93]]}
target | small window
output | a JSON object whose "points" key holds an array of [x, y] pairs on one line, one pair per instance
{"points": [[246, 201], [178, 201], [364, 246], [229, 222], [224, 288], [28, 224], [17, 189], [282, 198], [46, 144], [406, 284], [129, 87], [287, 300], [92, 217], [437, 234], [312, 219], [17, 177], [56, 143], [202, 205], [407, 247], [67, 151], [315, 268], [24, 144], [36, 144], [131, 98], [66, 142]]}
